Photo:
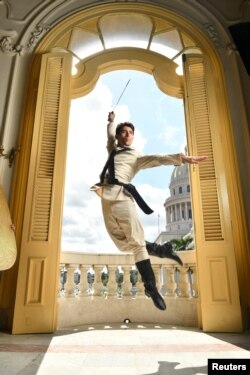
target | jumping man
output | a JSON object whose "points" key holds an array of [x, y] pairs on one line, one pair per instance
{"points": [[118, 197]]}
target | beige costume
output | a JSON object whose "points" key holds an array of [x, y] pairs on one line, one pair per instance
{"points": [[119, 211]]}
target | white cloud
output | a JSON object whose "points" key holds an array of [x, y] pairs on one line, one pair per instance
{"points": [[84, 229], [174, 137], [155, 198]]}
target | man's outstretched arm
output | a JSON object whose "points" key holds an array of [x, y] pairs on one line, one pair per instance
{"points": [[192, 159]]}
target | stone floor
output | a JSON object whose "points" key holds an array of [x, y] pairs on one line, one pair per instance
{"points": [[127, 349]]}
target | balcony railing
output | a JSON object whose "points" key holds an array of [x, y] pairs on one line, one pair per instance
{"points": [[107, 288]]}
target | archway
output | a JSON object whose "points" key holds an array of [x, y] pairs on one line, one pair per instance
{"points": [[160, 128], [208, 133]]}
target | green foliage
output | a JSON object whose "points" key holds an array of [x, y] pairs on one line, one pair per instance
{"points": [[180, 243]]}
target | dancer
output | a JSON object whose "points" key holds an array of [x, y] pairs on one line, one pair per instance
{"points": [[118, 197]]}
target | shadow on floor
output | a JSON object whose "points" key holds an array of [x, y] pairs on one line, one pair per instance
{"points": [[23, 354], [169, 368], [241, 340]]}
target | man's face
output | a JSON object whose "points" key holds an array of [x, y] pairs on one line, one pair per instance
{"points": [[125, 137]]}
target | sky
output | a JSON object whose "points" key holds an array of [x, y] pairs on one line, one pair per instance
{"points": [[159, 129]]}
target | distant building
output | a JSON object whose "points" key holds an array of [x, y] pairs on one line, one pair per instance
{"points": [[177, 206]]}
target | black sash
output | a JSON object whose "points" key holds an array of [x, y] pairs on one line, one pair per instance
{"points": [[110, 166]]}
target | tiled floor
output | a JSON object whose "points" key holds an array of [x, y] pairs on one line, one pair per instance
{"points": [[127, 349]]}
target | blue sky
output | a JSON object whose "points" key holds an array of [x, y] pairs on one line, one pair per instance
{"points": [[160, 128]]}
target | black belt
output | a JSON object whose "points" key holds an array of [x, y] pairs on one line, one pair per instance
{"points": [[137, 197], [129, 187]]}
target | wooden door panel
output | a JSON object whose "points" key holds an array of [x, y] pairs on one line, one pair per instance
{"points": [[35, 308], [218, 282]]}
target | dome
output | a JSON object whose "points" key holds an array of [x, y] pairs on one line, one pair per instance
{"points": [[179, 174]]}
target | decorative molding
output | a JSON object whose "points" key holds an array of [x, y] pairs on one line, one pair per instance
{"points": [[36, 35], [6, 45], [9, 48], [231, 48], [6, 40], [213, 34]]}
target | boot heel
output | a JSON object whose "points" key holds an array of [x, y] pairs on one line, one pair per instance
{"points": [[157, 299]]}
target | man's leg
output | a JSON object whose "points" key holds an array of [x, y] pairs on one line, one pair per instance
{"points": [[148, 278], [124, 227], [163, 251]]}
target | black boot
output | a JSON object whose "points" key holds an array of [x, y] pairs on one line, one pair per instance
{"points": [[163, 251], [148, 278]]}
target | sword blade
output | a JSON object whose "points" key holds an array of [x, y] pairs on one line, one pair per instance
{"points": [[118, 101]]}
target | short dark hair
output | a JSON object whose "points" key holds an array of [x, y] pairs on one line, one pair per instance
{"points": [[122, 124]]}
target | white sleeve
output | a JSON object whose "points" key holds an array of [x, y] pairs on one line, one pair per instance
{"points": [[111, 140], [150, 161]]}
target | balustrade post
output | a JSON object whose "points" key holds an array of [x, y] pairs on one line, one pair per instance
{"points": [[112, 286], [70, 285], [157, 272], [77, 279], [91, 278], [98, 279], [120, 281], [126, 281], [134, 279], [195, 290], [140, 286], [60, 279], [171, 284], [164, 280], [83, 285], [184, 286]]}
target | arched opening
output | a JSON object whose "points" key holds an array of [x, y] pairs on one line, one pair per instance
{"points": [[160, 128], [208, 130]]}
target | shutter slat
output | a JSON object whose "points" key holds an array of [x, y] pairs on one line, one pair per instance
{"points": [[204, 146], [44, 179]]}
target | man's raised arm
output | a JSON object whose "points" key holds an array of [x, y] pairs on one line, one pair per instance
{"points": [[111, 132]]}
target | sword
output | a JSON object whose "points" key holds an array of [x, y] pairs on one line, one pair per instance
{"points": [[121, 95]]}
